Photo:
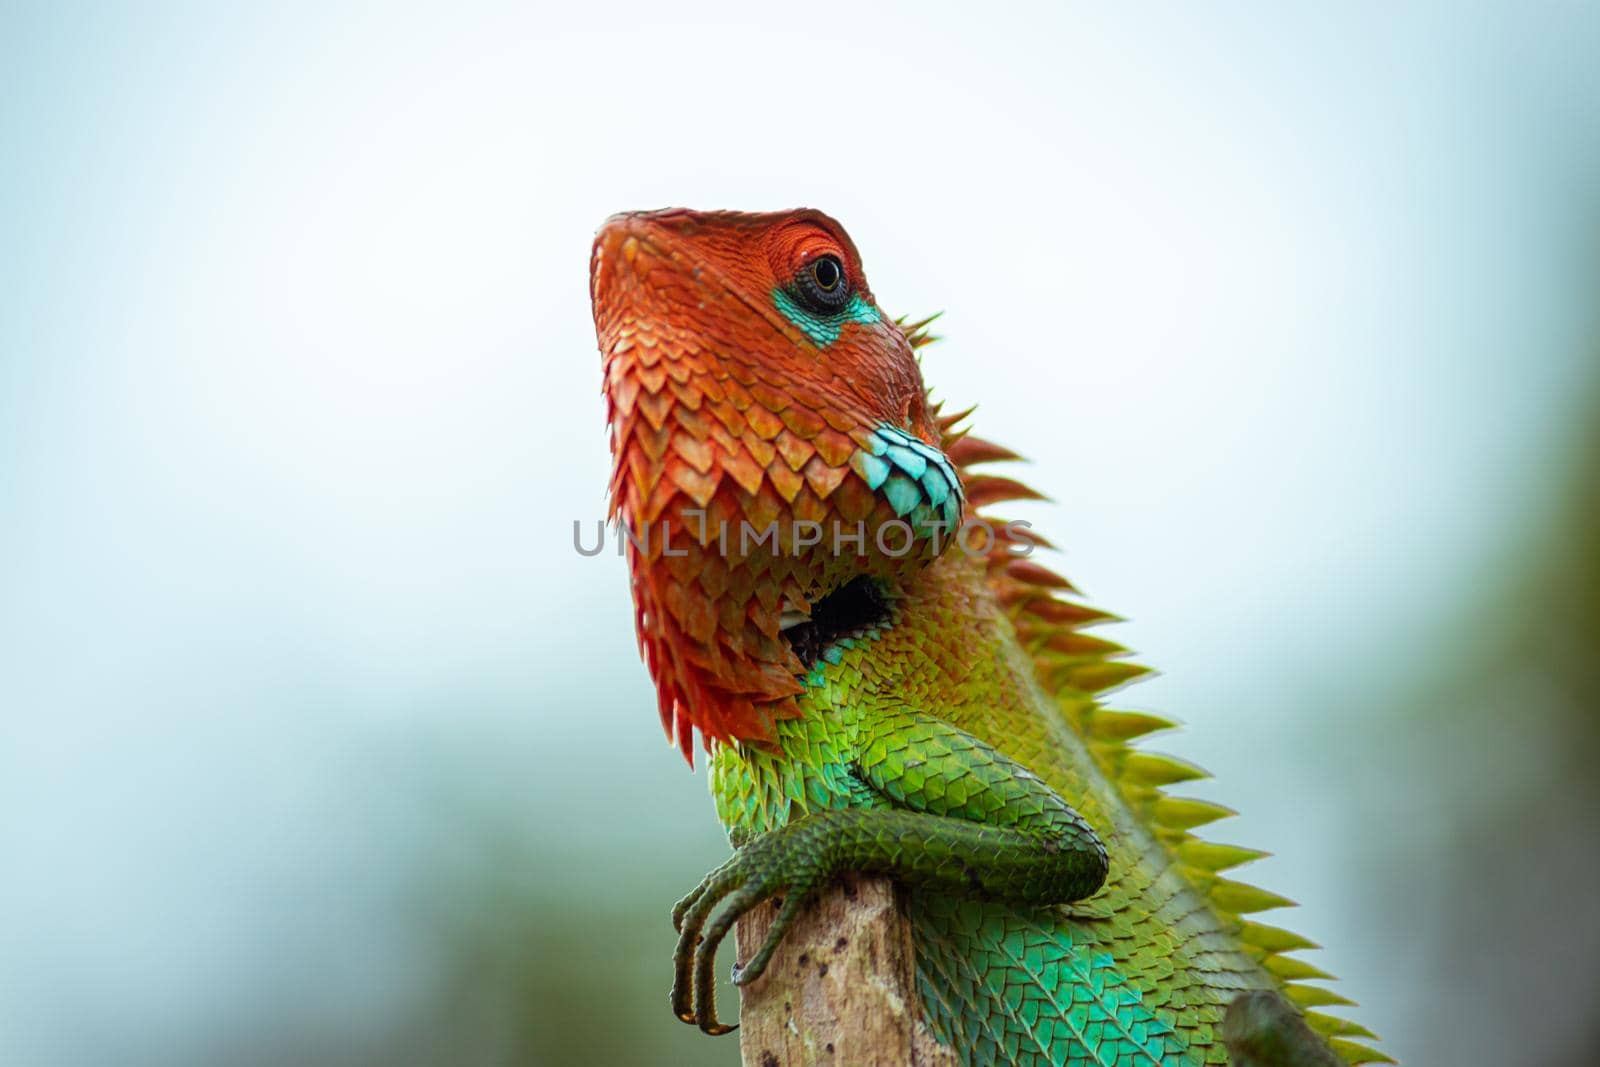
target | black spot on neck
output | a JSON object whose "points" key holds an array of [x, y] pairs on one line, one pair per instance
{"points": [[849, 610]]}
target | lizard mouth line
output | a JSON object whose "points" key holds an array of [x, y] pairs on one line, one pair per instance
{"points": [[856, 606]]}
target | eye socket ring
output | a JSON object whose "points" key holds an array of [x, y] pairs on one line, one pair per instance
{"points": [[823, 285]]}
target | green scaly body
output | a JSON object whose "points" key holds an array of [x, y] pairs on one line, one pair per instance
{"points": [[1143, 971]]}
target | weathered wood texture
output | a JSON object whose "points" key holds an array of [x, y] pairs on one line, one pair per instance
{"points": [[840, 991]]}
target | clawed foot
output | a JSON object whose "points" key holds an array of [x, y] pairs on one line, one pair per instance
{"points": [[770, 865]]}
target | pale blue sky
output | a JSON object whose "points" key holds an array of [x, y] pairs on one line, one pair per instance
{"points": [[1291, 307]]}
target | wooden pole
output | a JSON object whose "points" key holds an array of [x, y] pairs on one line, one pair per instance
{"points": [[840, 990]]}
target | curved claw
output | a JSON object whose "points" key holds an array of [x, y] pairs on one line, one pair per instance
{"points": [[689, 941], [757, 965], [705, 959], [760, 869]]}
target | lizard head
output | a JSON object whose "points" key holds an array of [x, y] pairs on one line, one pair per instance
{"points": [[772, 444]]}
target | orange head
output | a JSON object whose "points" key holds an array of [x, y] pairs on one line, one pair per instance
{"points": [[772, 440]]}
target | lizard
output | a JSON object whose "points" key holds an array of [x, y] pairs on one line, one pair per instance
{"points": [[885, 681]]}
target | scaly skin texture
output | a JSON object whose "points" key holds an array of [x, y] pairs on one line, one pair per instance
{"points": [[877, 699]]}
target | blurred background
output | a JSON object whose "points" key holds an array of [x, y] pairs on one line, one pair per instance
{"points": [[320, 745]]}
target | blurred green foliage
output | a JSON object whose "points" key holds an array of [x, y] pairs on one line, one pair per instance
{"points": [[1490, 805]]}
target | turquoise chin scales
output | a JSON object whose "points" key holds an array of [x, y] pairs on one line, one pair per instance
{"points": [[918, 481]]}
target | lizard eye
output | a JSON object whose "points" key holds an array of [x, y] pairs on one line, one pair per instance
{"points": [[822, 285]]}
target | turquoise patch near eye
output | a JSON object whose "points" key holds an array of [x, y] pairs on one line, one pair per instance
{"points": [[824, 330], [935, 486], [876, 442]]}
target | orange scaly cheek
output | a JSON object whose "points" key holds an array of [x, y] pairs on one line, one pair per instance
{"points": [[742, 496]]}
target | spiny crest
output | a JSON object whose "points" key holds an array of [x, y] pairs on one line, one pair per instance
{"points": [[1079, 668]]}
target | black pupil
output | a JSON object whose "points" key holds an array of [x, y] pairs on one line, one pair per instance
{"points": [[826, 271]]}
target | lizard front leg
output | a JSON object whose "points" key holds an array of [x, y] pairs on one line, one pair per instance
{"points": [[952, 814]]}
